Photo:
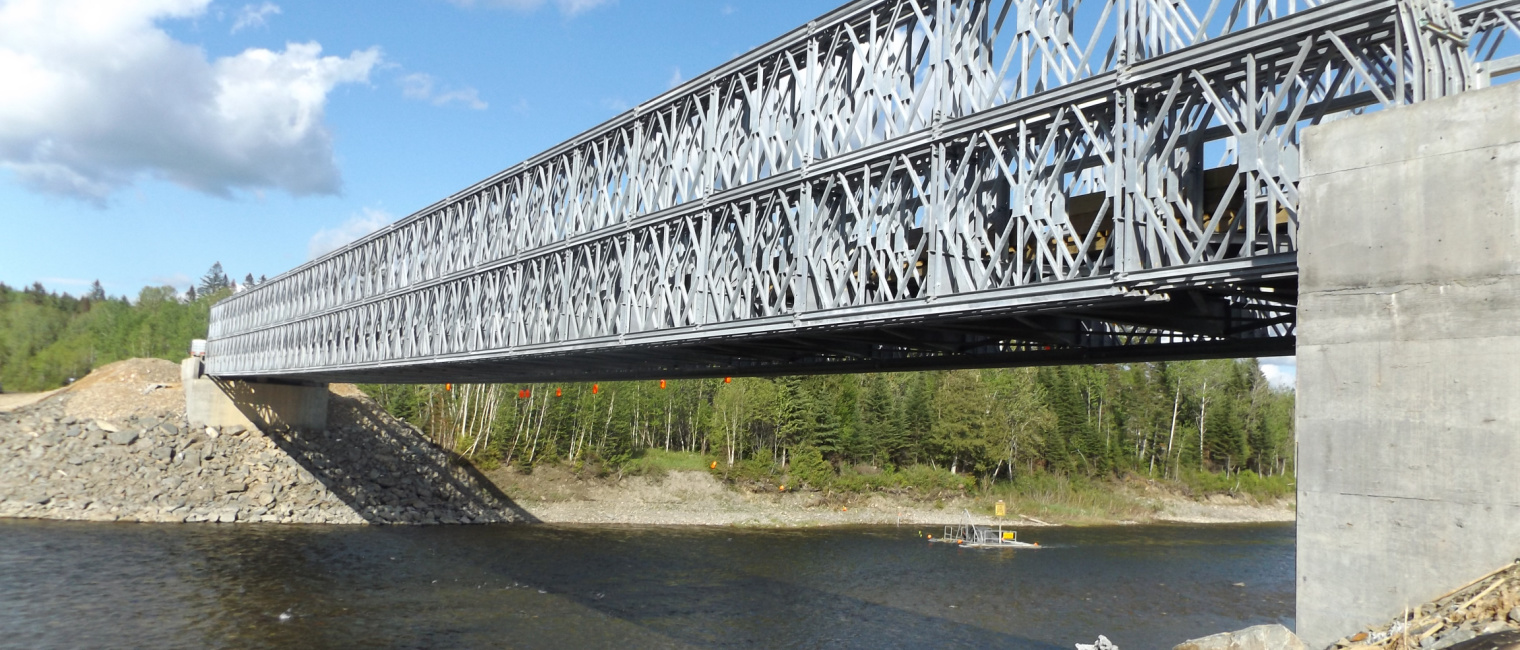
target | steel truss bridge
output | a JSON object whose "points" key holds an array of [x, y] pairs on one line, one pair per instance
{"points": [[898, 184]]}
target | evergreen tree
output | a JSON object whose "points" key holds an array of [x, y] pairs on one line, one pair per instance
{"points": [[827, 434], [214, 280], [97, 292], [917, 417], [1062, 451], [794, 412], [854, 444], [960, 435], [879, 421]]}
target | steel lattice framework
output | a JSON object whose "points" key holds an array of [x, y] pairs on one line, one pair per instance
{"points": [[899, 184]]}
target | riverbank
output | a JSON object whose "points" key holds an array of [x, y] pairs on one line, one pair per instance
{"points": [[115, 446], [698, 498]]}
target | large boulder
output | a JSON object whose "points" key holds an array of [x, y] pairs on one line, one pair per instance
{"points": [[1260, 637]]}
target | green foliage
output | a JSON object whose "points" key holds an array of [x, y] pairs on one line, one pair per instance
{"points": [[1245, 482], [1070, 497], [48, 338], [880, 428], [930, 481], [809, 467], [934, 433], [658, 462], [816, 473]]}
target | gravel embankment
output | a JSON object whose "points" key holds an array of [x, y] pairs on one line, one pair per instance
{"points": [[58, 460]]}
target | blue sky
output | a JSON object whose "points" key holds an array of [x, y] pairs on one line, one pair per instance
{"points": [[143, 140], [122, 163]]}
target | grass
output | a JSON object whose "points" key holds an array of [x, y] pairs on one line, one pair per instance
{"points": [[1246, 482], [1068, 499], [658, 462]]}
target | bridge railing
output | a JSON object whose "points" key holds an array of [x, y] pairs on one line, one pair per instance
{"points": [[890, 152]]}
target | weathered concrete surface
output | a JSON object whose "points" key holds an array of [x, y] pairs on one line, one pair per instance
{"points": [[1408, 357], [251, 405]]}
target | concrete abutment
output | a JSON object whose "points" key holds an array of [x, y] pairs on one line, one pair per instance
{"points": [[1408, 357], [252, 405]]}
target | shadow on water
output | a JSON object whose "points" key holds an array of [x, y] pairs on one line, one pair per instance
{"points": [[487, 587], [558, 586], [378, 465]]}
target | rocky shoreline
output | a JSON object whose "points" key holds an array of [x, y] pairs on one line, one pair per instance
{"points": [[59, 462]]}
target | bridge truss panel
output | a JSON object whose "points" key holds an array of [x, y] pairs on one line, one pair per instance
{"points": [[899, 184]]}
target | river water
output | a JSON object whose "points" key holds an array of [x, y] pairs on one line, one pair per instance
{"points": [[73, 585]]}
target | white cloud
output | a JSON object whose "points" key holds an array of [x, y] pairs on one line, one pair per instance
{"points": [[98, 96], [254, 16], [423, 87], [567, 7], [573, 7], [175, 280], [1281, 372], [328, 240], [675, 79]]}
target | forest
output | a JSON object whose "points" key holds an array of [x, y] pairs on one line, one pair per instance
{"points": [[48, 338], [1178, 420], [1198, 422]]}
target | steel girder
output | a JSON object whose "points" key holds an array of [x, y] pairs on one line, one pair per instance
{"points": [[900, 184]]}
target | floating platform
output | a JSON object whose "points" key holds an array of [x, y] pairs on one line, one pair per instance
{"points": [[970, 535]]}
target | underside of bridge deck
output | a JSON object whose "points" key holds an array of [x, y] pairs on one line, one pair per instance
{"points": [[1092, 326]]}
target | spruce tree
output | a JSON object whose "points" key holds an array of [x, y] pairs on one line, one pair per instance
{"points": [[917, 417], [879, 423], [214, 280], [794, 418]]}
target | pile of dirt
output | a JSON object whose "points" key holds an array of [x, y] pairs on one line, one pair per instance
{"points": [[121, 390], [1488, 607]]}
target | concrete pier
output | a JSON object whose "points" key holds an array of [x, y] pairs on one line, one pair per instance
{"points": [[252, 405], [1408, 357]]}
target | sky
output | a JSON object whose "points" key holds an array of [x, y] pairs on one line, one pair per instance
{"points": [[141, 141]]}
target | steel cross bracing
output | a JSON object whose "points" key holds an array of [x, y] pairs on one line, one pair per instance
{"points": [[899, 184]]}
